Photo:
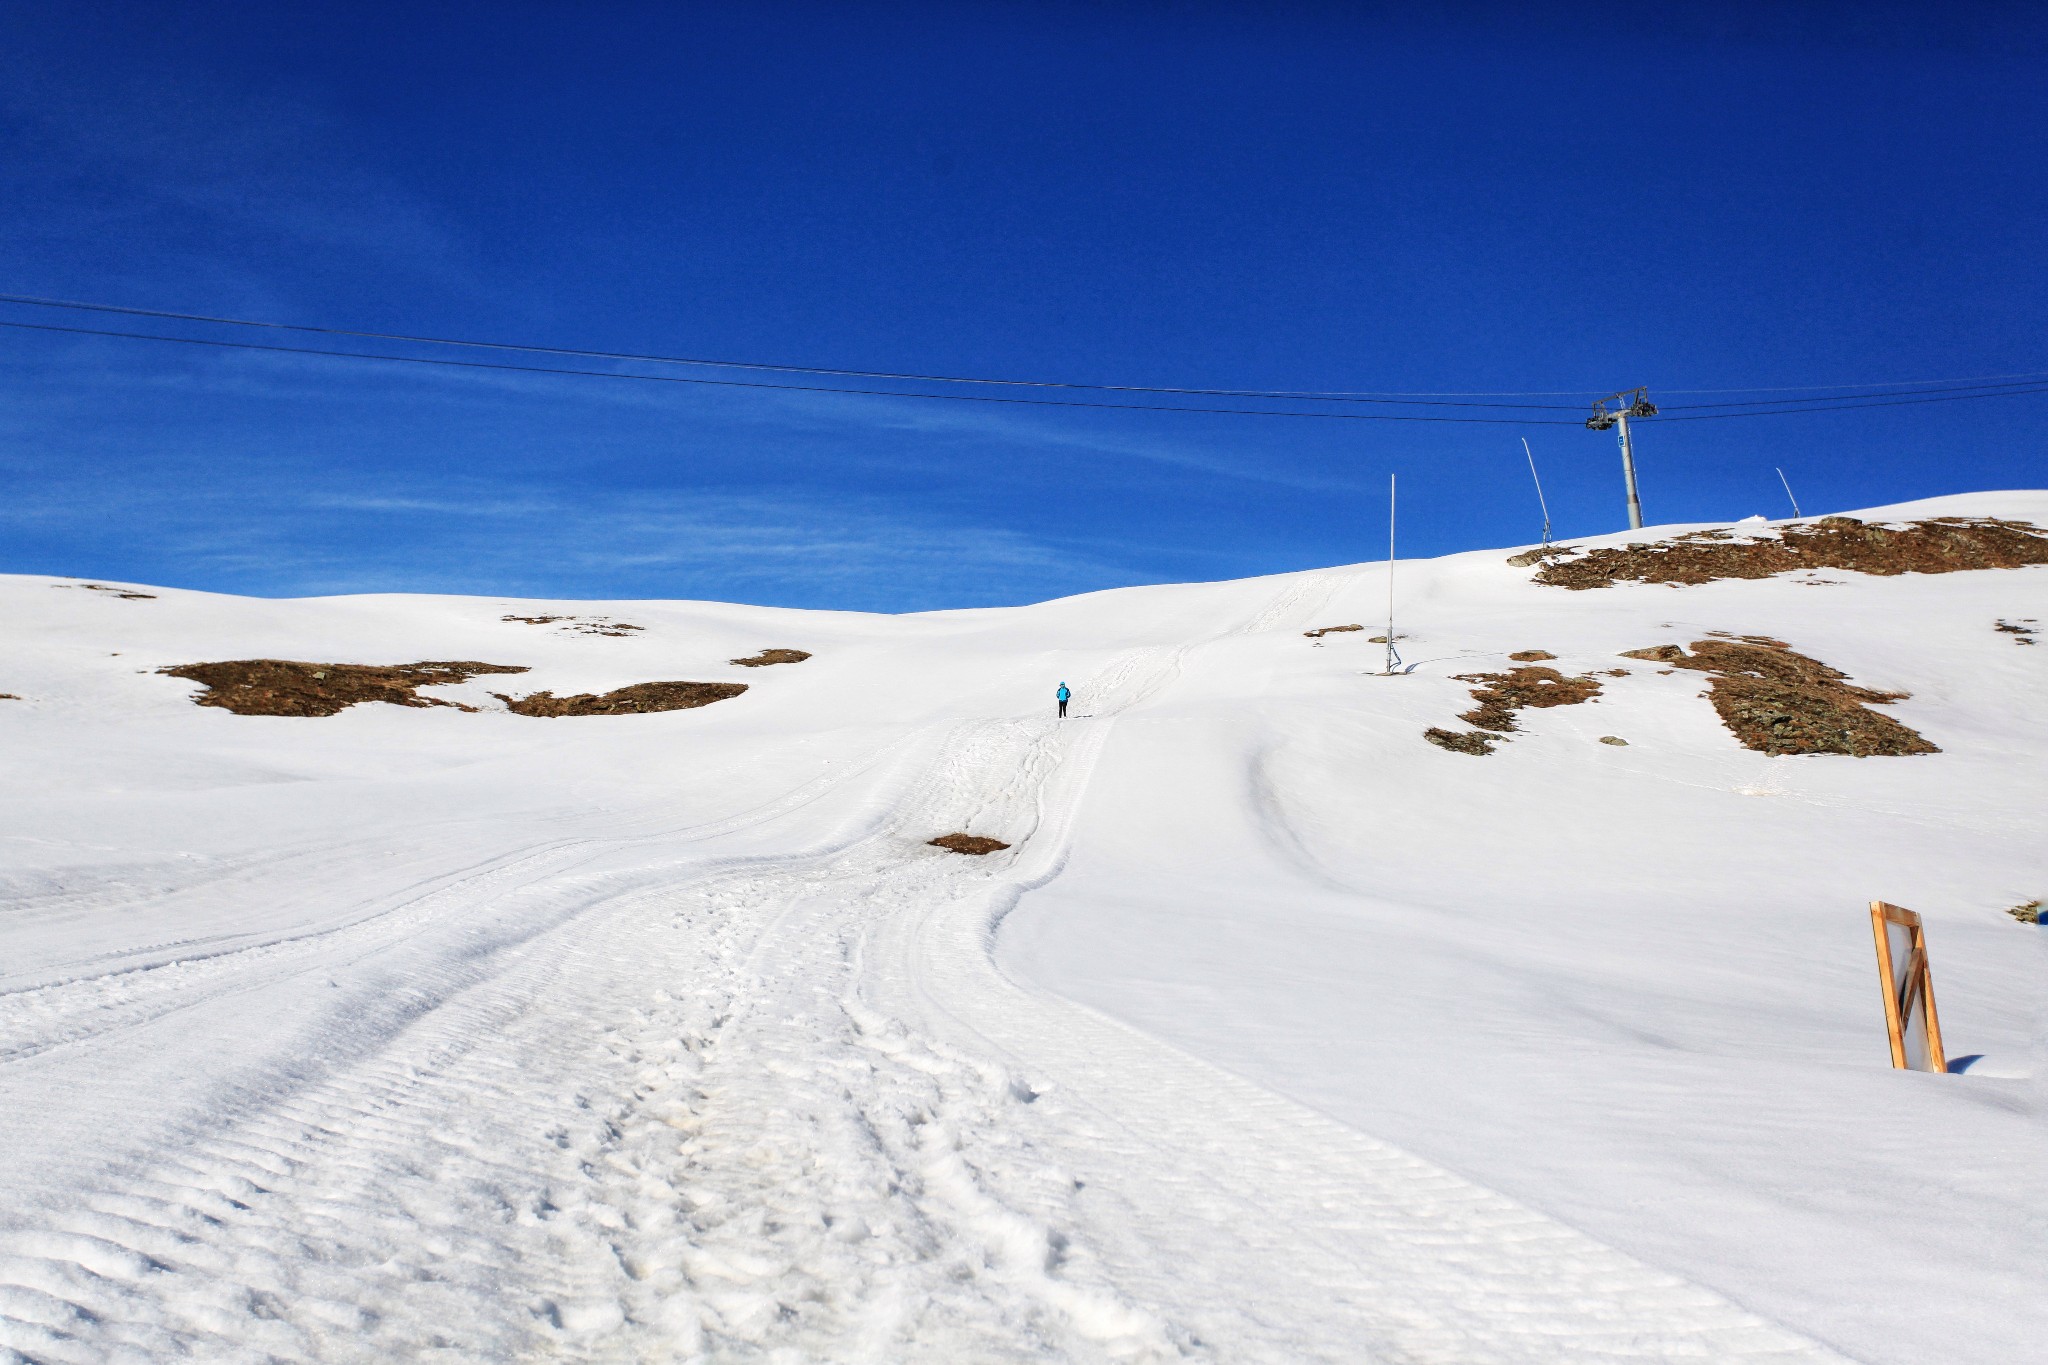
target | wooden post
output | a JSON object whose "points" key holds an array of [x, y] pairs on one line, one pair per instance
{"points": [[1909, 1017]]}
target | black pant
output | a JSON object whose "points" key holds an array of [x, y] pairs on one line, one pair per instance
{"points": [[1063, 708]]}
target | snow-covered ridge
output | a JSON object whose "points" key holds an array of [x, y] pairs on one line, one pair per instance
{"points": [[1277, 1033]]}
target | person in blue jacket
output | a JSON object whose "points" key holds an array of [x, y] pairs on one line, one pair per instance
{"points": [[1063, 697]]}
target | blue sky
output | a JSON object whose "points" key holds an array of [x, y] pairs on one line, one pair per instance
{"points": [[1339, 197]]}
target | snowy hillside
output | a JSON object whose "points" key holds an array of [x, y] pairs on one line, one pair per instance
{"points": [[1278, 1032]]}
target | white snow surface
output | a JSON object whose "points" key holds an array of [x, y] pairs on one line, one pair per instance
{"points": [[1278, 1034]]}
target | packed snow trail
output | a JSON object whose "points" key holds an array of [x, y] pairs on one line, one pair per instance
{"points": [[637, 1099]]}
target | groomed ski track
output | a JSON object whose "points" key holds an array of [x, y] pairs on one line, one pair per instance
{"points": [[663, 1095]]}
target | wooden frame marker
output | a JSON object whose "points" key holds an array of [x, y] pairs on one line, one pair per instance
{"points": [[1909, 1015]]}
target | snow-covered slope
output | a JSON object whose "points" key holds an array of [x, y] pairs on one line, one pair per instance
{"points": [[1277, 1034]]}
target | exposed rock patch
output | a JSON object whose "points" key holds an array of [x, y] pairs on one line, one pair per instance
{"points": [[1320, 631], [639, 699], [287, 687], [1476, 742], [2022, 630], [772, 656], [580, 625], [127, 593], [1778, 701], [1530, 656], [1940, 545], [1501, 695], [973, 844]]}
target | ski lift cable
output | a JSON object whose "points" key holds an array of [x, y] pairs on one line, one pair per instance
{"points": [[1301, 395], [445, 362], [1790, 406], [1877, 384], [1984, 390], [1822, 392], [1872, 402]]}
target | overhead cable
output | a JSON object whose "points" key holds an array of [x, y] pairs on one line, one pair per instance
{"points": [[1302, 395], [1420, 398], [1873, 401], [1778, 407], [1878, 384], [1982, 390], [787, 388]]}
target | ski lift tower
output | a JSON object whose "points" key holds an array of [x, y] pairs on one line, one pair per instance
{"points": [[1614, 411]]}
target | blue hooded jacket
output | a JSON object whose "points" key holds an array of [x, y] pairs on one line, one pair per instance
{"points": [[1063, 694]]}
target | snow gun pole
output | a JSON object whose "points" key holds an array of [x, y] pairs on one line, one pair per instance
{"points": [[1393, 657], [1788, 493], [1539, 495]]}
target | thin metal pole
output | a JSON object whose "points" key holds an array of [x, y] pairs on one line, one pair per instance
{"points": [[1628, 472], [1539, 493], [1788, 493], [1392, 657]]}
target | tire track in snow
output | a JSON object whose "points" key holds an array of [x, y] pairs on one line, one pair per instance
{"points": [[263, 1225], [37, 1019]]}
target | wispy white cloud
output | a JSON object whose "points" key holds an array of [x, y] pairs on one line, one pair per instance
{"points": [[1062, 432], [908, 433], [462, 536], [480, 506], [217, 182]]}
